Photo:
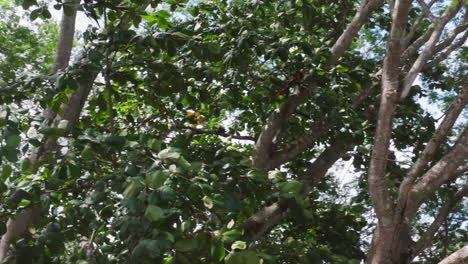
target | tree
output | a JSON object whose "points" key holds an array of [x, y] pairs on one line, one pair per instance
{"points": [[165, 143]]}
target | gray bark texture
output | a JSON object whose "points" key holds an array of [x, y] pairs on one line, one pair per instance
{"points": [[458, 257], [18, 227], [391, 242]]}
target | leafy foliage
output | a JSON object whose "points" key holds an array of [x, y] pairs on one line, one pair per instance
{"points": [[134, 181]]}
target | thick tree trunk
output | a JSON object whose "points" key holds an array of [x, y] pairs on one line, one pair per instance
{"points": [[390, 245]]}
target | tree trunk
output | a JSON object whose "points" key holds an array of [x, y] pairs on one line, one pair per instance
{"points": [[390, 245], [16, 228]]}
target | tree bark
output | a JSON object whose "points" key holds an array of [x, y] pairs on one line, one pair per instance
{"points": [[71, 113], [386, 243], [266, 218], [441, 217], [16, 228], [458, 257]]}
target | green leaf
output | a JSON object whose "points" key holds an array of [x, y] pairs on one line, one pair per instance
{"points": [[342, 69], [154, 213], [18, 195], [13, 141], [116, 141], [95, 56], [149, 18], [87, 153], [156, 179], [183, 163], [6, 172], [24, 203], [214, 48], [28, 3], [3, 187], [3, 116], [181, 36], [217, 250], [186, 245], [35, 14], [51, 132], [147, 249], [25, 165], [45, 14], [294, 187], [244, 257], [258, 175], [133, 189], [11, 155], [231, 235], [131, 170]]}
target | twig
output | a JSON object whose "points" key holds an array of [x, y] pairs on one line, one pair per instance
{"points": [[214, 132]]}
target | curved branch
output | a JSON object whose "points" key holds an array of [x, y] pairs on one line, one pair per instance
{"points": [[439, 174], [427, 9], [271, 131], [432, 146], [362, 16], [444, 211], [415, 26], [451, 37], [458, 257], [266, 218], [412, 49], [429, 48], [319, 129], [444, 55]]}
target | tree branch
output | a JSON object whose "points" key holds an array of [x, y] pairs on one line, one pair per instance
{"points": [[444, 55], [444, 211], [390, 85], [415, 26], [296, 147], [458, 257], [362, 16], [451, 37], [266, 218], [319, 128], [429, 48], [427, 9], [29, 216], [271, 131], [413, 48], [432, 146], [439, 174], [194, 130], [261, 222], [64, 46]]}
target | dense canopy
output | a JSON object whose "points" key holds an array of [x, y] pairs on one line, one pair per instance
{"points": [[293, 131]]}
